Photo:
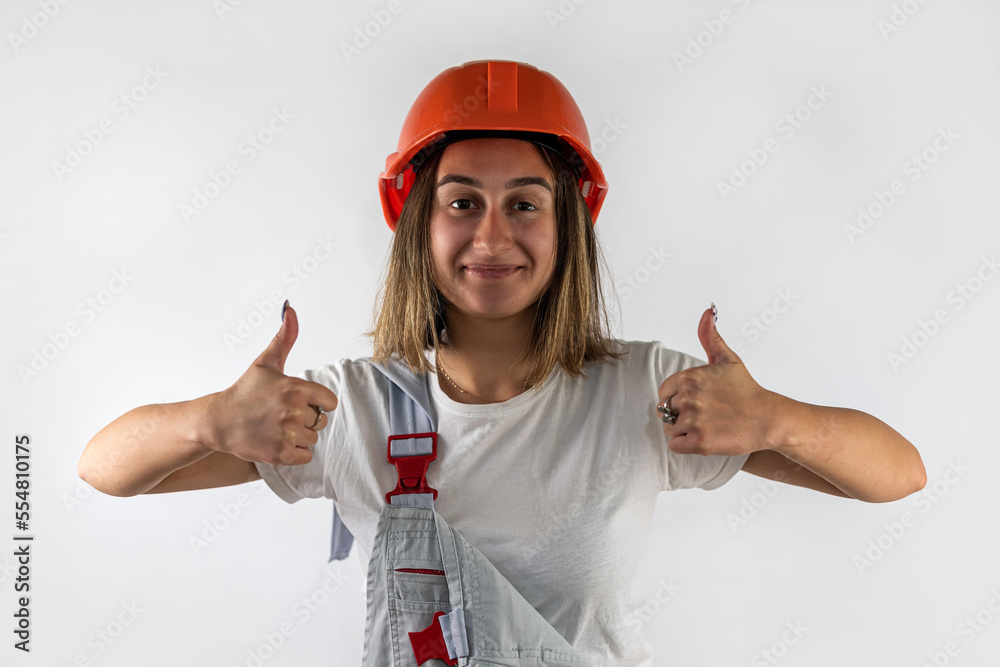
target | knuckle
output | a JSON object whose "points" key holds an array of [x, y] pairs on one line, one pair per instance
{"points": [[287, 455], [287, 440], [289, 390], [291, 416], [273, 458]]}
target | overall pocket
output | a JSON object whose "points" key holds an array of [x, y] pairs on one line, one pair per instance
{"points": [[427, 586], [415, 568], [416, 588], [411, 609]]}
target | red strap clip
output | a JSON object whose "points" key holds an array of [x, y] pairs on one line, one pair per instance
{"points": [[429, 643], [411, 470]]}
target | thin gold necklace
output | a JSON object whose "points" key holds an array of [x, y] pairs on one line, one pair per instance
{"points": [[456, 386]]}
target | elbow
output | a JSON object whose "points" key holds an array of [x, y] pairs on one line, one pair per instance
{"points": [[84, 472], [98, 477], [918, 472], [917, 481], [920, 477], [81, 471]]}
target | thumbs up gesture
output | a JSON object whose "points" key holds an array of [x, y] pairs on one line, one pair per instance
{"points": [[268, 416], [720, 409]]}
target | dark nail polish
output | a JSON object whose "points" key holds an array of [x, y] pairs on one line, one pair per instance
{"points": [[283, 308]]}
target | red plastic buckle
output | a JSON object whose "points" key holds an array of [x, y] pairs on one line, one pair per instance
{"points": [[411, 470], [429, 643]]}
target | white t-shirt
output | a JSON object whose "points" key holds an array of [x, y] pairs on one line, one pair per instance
{"points": [[556, 486]]}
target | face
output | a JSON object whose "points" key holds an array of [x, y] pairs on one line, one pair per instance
{"points": [[493, 227]]}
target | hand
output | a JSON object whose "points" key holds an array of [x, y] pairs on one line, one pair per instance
{"points": [[720, 408], [266, 416]]}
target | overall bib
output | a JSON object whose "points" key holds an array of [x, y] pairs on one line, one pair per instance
{"points": [[433, 598]]}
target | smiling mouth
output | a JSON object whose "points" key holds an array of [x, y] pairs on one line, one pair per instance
{"points": [[491, 273]]}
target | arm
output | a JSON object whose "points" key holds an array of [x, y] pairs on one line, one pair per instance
{"points": [[722, 410], [158, 448], [213, 440], [837, 450], [775, 466]]}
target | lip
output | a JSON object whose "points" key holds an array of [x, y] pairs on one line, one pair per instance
{"points": [[491, 271]]}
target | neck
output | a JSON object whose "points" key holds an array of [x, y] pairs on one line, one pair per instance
{"points": [[485, 356]]}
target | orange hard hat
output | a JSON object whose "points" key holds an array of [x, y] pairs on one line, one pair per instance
{"points": [[491, 98]]}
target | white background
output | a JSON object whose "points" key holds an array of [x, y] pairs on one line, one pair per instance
{"points": [[671, 133]]}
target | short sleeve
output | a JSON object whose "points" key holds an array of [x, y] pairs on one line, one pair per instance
{"points": [[690, 471], [292, 483]]}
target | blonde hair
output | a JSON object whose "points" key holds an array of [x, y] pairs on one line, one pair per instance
{"points": [[571, 321]]}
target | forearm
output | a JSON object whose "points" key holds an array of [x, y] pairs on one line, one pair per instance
{"points": [[135, 452], [858, 453]]}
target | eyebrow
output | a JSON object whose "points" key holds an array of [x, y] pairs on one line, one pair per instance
{"points": [[511, 184]]}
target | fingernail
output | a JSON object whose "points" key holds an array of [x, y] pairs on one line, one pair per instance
{"points": [[715, 313], [283, 308]]}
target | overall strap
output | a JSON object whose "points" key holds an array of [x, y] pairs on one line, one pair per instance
{"points": [[410, 408], [410, 412], [411, 448]]}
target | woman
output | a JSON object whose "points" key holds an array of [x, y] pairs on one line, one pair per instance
{"points": [[554, 439]]}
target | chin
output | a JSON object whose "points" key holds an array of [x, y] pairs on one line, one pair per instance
{"points": [[492, 310]]}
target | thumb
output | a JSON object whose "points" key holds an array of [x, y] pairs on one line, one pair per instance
{"points": [[712, 342], [277, 352]]}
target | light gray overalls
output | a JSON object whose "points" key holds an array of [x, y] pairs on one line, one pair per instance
{"points": [[432, 596]]}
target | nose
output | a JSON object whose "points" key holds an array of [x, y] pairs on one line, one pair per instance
{"points": [[493, 234]]}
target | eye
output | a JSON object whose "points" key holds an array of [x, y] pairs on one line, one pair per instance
{"points": [[467, 204], [462, 208]]}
